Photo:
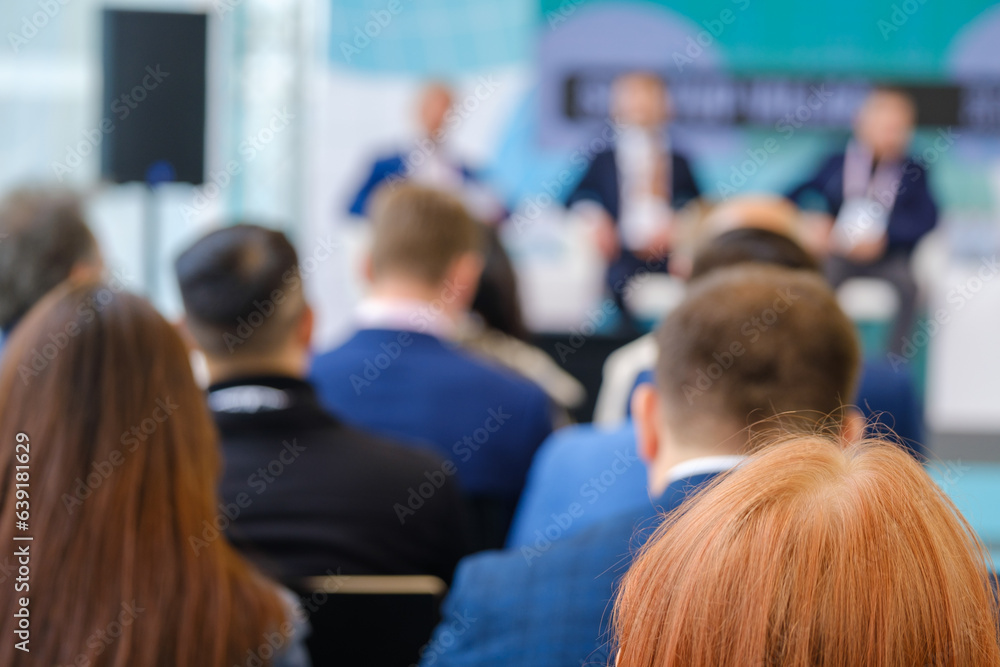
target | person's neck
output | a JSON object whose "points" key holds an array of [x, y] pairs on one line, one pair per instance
{"points": [[879, 157], [661, 472], [291, 365], [395, 289], [402, 290], [655, 132]]}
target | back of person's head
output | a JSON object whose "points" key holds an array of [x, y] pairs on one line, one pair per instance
{"points": [[809, 554], [746, 214], [420, 234], [242, 291], [751, 245], [43, 240], [497, 301], [756, 347], [124, 459], [760, 210]]}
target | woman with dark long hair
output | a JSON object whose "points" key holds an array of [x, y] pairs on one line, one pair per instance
{"points": [[809, 555], [109, 457]]}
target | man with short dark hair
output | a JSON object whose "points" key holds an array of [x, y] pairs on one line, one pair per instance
{"points": [[44, 240], [598, 462], [779, 354], [304, 493], [401, 373]]}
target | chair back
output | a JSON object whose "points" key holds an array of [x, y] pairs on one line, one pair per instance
{"points": [[376, 621]]}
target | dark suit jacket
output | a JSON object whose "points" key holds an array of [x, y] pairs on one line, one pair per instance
{"points": [[600, 183], [384, 169], [545, 605], [913, 214], [312, 495]]}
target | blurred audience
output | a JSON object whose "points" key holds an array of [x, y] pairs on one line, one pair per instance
{"points": [[126, 566], [629, 192], [751, 350], [725, 441], [305, 494], [881, 200], [402, 375], [811, 554], [44, 239]]}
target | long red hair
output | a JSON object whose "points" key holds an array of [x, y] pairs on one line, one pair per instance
{"points": [[115, 580], [810, 555]]}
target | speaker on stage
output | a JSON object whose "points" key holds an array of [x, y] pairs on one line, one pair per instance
{"points": [[153, 104]]}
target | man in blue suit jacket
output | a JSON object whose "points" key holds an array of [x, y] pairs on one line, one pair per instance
{"points": [[599, 465], [629, 191], [429, 162], [547, 603], [597, 462], [881, 200], [594, 466], [401, 375]]}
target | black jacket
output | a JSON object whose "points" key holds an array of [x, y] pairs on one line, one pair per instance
{"points": [[306, 495]]}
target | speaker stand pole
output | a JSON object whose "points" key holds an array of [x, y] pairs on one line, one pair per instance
{"points": [[151, 240]]}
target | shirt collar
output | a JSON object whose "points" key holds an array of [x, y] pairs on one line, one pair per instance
{"points": [[704, 465], [258, 393], [404, 315]]}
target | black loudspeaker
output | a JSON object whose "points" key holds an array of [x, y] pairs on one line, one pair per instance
{"points": [[153, 104]]}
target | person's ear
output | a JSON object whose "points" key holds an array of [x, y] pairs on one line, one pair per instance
{"points": [[854, 427], [304, 330], [463, 277], [86, 270], [647, 417], [681, 265], [367, 268]]}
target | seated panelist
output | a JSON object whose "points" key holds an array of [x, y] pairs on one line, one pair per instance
{"points": [[629, 192], [430, 162], [880, 200]]}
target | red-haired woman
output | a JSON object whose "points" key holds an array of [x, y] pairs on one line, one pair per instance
{"points": [[109, 455], [809, 555]]}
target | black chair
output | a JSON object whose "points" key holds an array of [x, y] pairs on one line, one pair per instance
{"points": [[370, 621]]}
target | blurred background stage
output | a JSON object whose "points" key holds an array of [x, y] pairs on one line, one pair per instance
{"points": [[302, 95]]}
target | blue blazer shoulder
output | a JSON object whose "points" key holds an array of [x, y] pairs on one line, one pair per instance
{"points": [[547, 603], [420, 389]]}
